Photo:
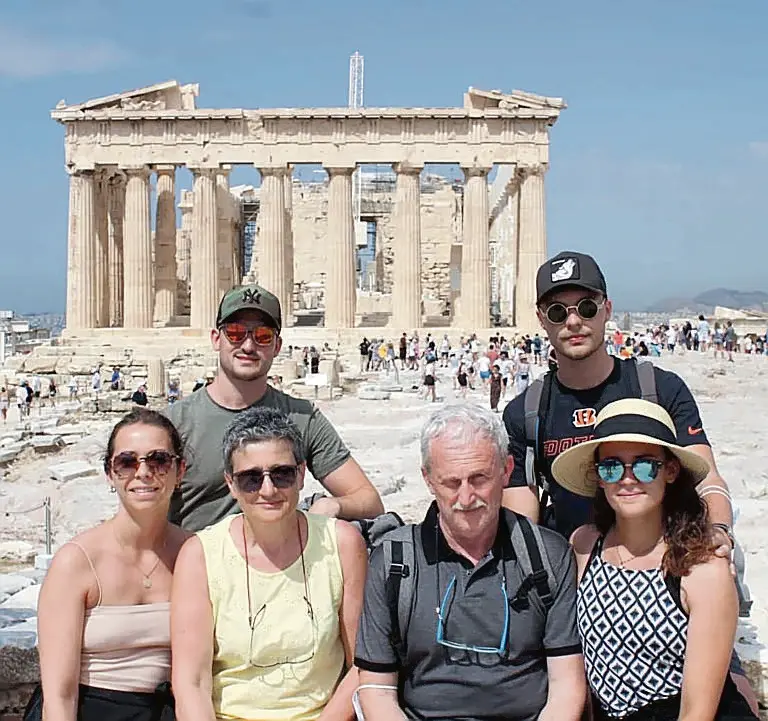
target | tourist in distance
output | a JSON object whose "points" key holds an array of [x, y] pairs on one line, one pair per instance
{"points": [[104, 611], [573, 308], [496, 387], [729, 338], [469, 635], [247, 339], [139, 396], [656, 609], [266, 603]]}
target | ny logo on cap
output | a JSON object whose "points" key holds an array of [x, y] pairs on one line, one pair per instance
{"points": [[564, 269], [251, 296]]}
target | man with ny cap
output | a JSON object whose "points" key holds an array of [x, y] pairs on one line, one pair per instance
{"points": [[573, 307], [247, 338]]}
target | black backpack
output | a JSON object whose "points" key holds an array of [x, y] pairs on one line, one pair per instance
{"points": [[537, 398], [373, 530]]}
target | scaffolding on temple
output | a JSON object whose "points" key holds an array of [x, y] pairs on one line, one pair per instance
{"points": [[356, 91]]}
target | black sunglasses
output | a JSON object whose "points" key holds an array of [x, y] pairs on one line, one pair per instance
{"points": [[587, 308], [252, 479], [127, 463]]}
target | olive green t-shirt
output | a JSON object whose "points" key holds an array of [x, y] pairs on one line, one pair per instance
{"points": [[204, 498]]}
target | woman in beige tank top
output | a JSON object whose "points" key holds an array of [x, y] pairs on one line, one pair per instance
{"points": [[104, 611], [266, 603]]}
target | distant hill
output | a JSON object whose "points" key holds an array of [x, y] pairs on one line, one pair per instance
{"points": [[705, 302]]}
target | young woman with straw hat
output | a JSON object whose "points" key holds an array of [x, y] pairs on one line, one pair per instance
{"points": [[656, 608]]}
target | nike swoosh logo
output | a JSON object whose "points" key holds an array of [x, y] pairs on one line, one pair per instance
{"points": [[694, 431]]}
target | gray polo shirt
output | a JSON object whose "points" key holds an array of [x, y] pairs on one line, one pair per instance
{"points": [[440, 683], [204, 498]]}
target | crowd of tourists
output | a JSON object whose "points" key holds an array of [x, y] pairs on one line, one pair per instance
{"points": [[500, 367], [721, 340], [574, 563]]}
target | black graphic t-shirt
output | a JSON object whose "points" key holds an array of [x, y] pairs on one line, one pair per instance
{"points": [[570, 420]]}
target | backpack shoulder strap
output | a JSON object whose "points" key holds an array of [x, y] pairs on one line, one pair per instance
{"points": [[534, 561], [646, 377], [532, 400], [536, 404], [399, 560]]}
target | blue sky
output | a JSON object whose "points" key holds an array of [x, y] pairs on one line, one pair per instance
{"points": [[659, 167]]}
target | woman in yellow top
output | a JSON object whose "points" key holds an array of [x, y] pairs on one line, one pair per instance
{"points": [[265, 604]]}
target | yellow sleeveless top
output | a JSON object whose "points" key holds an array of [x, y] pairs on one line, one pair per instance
{"points": [[288, 667]]}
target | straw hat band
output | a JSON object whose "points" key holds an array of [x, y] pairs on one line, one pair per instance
{"points": [[629, 420], [629, 423]]}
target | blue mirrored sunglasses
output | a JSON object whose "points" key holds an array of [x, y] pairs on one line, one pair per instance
{"points": [[644, 470]]}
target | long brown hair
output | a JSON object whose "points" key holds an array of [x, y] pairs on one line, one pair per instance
{"points": [[685, 521]]}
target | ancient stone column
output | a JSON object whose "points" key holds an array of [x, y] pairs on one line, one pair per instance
{"points": [[224, 231], [340, 285], [156, 381], [115, 233], [532, 245], [204, 290], [475, 270], [272, 273], [165, 245], [406, 271], [237, 256], [137, 250], [82, 309], [101, 260], [183, 249], [288, 317]]}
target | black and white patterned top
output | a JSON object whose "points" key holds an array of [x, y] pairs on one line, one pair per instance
{"points": [[633, 631]]}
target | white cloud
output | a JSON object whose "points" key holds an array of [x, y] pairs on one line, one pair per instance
{"points": [[23, 55]]}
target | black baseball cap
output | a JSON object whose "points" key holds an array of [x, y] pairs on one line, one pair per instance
{"points": [[569, 269], [250, 297]]}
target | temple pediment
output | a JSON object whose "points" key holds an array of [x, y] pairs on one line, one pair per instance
{"points": [[169, 95], [487, 99]]}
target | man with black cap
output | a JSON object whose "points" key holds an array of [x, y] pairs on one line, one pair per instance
{"points": [[247, 339], [573, 308]]}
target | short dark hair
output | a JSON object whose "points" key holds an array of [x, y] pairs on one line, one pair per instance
{"points": [[147, 417], [257, 425]]}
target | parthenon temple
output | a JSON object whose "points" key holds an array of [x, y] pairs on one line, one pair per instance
{"points": [[404, 246]]}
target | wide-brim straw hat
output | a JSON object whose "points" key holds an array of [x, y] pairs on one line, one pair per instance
{"points": [[630, 420]]}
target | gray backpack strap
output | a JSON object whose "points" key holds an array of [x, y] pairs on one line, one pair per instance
{"points": [[534, 563], [532, 402], [646, 377], [402, 573]]}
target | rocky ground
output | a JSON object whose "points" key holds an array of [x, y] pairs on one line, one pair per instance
{"points": [[382, 428]]}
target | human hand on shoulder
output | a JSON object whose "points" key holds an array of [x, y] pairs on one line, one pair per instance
{"points": [[723, 542], [326, 506]]}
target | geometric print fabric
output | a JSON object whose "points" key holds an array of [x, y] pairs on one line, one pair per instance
{"points": [[633, 635]]}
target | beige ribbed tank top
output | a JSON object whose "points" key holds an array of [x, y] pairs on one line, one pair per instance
{"points": [[125, 648], [288, 666]]}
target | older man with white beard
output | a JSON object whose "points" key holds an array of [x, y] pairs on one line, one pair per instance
{"points": [[470, 614]]}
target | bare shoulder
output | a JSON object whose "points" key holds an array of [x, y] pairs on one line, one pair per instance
{"points": [[191, 552], [349, 538], [709, 575], [70, 572], [583, 539]]}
